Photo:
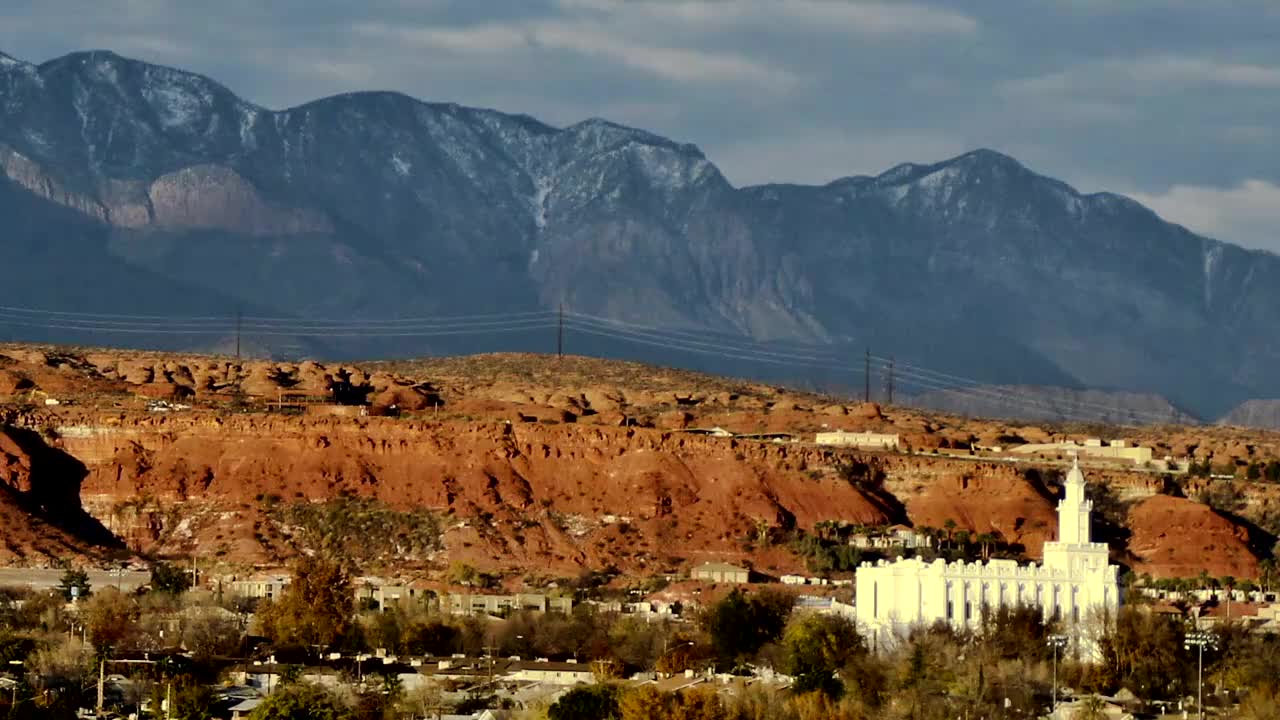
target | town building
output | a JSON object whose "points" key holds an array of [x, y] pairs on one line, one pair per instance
{"points": [[555, 673], [469, 604], [259, 586], [721, 573], [1093, 448], [387, 594], [862, 440], [1075, 585], [897, 536]]}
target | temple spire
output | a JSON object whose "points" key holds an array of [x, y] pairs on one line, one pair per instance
{"points": [[1075, 508]]}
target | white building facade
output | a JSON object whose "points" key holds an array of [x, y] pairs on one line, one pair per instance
{"points": [[1075, 585]]}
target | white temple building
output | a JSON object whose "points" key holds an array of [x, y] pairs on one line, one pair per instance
{"points": [[1074, 585]]}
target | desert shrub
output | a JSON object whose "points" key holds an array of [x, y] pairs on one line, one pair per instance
{"points": [[362, 529]]}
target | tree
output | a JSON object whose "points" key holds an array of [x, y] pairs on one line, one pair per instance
{"points": [[315, 609], [166, 578], [740, 625], [645, 702], [14, 648], [985, 541], [111, 618], [301, 701], [1091, 708], [697, 704], [74, 583], [210, 632], [1010, 633], [1262, 703], [426, 700], [461, 573], [592, 702], [816, 648], [431, 638], [192, 699], [1143, 651]]}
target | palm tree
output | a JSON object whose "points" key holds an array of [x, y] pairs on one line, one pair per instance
{"points": [[1266, 573], [986, 540], [950, 526], [1204, 579], [1091, 708]]}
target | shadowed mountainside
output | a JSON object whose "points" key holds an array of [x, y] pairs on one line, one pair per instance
{"points": [[131, 188]]}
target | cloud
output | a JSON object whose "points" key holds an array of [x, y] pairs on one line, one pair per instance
{"points": [[1249, 134], [592, 40], [838, 16], [479, 39], [1247, 214], [679, 64], [1150, 75]]}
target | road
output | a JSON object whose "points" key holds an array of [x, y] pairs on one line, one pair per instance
{"points": [[37, 579]]}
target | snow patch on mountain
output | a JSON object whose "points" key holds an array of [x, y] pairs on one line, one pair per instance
{"points": [[542, 190], [248, 119], [898, 173], [179, 100], [1212, 254], [401, 166]]}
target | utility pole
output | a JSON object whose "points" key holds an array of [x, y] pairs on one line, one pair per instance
{"points": [[866, 377], [102, 681], [888, 383], [1198, 639], [238, 334], [1057, 642], [560, 335]]}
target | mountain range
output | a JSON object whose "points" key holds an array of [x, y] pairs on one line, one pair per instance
{"points": [[138, 199]]}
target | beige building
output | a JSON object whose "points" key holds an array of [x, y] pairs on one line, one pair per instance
{"points": [[865, 440], [1091, 448], [721, 573], [554, 673], [388, 594], [468, 604], [259, 586]]}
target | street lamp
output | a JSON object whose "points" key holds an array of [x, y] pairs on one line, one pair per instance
{"points": [[1057, 642], [1199, 639], [667, 647]]}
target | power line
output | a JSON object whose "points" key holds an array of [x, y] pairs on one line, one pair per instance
{"points": [[707, 342], [954, 381], [268, 319], [866, 376], [514, 326]]}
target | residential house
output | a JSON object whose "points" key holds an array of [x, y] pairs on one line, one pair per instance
{"points": [[556, 673]]}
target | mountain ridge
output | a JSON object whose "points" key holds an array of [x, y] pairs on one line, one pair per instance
{"points": [[377, 204]]}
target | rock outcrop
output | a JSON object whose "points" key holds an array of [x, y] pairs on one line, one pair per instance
{"points": [[1176, 537]]}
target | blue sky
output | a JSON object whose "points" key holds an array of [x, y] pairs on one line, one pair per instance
{"points": [[1176, 103]]}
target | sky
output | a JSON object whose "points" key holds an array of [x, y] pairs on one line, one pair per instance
{"points": [[1175, 103]]}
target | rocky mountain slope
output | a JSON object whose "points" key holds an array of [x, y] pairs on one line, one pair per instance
{"points": [[1254, 413], [134, 189], [529, 466]]}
